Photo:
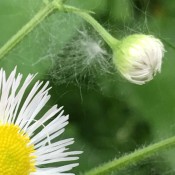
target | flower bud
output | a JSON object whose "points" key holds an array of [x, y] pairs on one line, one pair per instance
{"points": [[138, 57]]}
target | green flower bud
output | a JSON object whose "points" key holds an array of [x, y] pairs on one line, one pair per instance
{"points": [[138, 57]]}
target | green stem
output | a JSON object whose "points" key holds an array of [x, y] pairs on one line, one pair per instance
{"points": [[132, 158], [109, 39], [40, 16]]}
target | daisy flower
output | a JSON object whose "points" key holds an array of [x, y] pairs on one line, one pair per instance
{"points": [[27, 142]]}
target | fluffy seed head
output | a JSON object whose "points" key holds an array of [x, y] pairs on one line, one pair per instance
{"points": [[138, 57]]}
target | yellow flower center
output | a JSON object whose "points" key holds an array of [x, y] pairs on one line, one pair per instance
{"points": [[15, 153]]}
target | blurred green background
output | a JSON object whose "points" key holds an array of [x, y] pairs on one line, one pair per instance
{"points": [[109, 117]]}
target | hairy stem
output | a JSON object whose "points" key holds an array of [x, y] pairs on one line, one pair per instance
{"points": [[132, 158], [109, 39], [38, 18]]}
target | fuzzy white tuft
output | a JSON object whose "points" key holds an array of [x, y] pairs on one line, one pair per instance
{"points": [[82, 60]]}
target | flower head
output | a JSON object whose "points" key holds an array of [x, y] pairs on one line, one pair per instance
{"points": [[139, 57], [28, 144]]}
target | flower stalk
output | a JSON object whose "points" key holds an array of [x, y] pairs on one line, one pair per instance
{"points": [[109, 39], [132, 158]]}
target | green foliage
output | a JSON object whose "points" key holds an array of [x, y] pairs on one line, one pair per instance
{"points": [[110, 117]]}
